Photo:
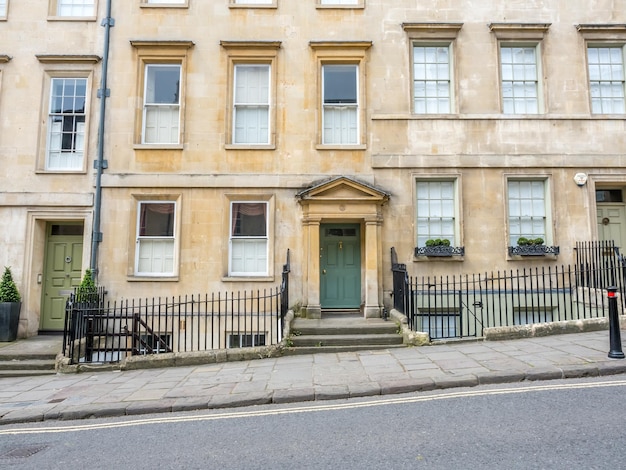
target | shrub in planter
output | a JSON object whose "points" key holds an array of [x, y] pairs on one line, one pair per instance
{"points": [[87, 290], [523, 241], [10, 304], [437, 242]]}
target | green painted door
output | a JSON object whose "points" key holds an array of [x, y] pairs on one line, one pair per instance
{"points": [[340, 266], [62, 272], [612, 224]]}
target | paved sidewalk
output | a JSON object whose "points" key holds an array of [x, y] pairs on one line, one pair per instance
{"points": [[305, 378]]}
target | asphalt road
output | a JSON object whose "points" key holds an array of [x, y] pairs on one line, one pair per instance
{"points": [[573, 424]]}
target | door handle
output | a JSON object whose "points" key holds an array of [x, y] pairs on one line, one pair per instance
{"points": [[323, 271]]}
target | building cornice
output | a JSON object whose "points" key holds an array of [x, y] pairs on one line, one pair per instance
{"points": [[519, 30], [67, 59], [601, 28], [250, 44], [602, 31], [361, 45], [143, 43], [432, 30]]}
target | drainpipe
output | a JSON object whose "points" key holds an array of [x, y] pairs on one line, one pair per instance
{"points": [[100, 163]]}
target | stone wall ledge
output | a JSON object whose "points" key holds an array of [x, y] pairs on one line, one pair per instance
{"points": [[500, 333]]}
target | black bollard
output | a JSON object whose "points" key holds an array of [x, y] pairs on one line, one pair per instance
{"points": [[614, 332]]}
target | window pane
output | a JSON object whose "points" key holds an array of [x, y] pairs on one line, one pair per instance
{"points": [[520, 80], [66, 124], [431, 79], [248, 247], [340, 84], [339, 2], [156, 219], [75, 7], [340, 125], [606, 79], [249, 219], [249, 256], [162, 84], [161, 124], [252, 84], [155, 256], [435, 211], [155, 238], [527, 209], [251, 125], [251, 108], [161, 104]]}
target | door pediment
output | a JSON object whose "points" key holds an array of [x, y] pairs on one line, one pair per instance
{"points": [[342, 189]]}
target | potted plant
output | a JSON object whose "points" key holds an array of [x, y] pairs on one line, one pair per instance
{"points": [[438, 247], [10, 304], [87, 289]]}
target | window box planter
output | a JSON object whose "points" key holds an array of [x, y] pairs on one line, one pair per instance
{"points": [[533, 250], [439, 251]]}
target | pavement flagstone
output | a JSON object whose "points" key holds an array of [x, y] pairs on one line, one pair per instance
{"points": [[291, 379]]}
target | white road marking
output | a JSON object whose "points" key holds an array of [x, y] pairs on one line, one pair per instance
{"points": [[309, 409]]}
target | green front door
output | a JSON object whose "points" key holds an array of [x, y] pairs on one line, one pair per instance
{"points": [[612, 224], [62, 272], [340, 266]]}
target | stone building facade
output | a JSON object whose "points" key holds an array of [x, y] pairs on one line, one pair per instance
{"points": [[231, 131]]}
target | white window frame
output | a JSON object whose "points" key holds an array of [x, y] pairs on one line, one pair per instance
{"points": [[346, 112], [253, 2], [520, 83], [161, 110], [149, 339], [607, 79], [168, 241], [68, 158], [166, 2], [349, 3], [532, 219], [432, 80], [4, 9], [439, 322], [527, 315], [241, 340], [75, 8], [431, 212], [244, 250], [260, 127]]}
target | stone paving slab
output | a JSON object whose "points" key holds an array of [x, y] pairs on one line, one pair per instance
{"points": [[292, 379]]}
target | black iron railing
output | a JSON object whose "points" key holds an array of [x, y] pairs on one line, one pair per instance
{"points": [[462, 306], [96, 331], [600, 264]]}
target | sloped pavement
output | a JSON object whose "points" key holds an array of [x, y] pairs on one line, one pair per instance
{"points": [[320, 376]]}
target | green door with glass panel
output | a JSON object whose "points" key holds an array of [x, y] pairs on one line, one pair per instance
{"points": [[62, 272], [340, 266], [611, 212]]}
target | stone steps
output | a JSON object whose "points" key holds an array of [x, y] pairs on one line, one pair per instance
{"points": [[346, 339], [26, 367], [33, 356], [345, 332]]}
